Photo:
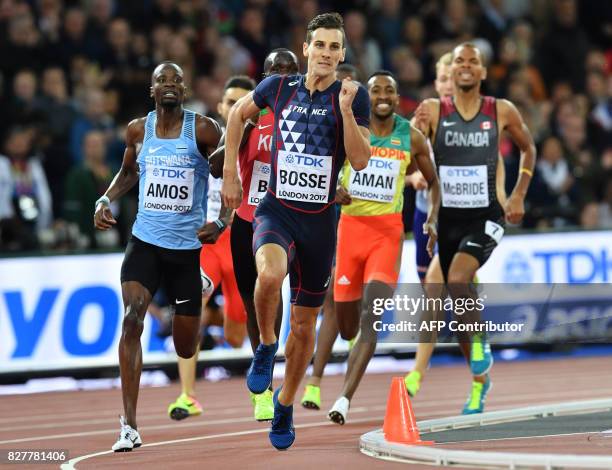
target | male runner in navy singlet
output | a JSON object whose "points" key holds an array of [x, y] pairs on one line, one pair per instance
{"points": [[166, 152], [318, 121]]}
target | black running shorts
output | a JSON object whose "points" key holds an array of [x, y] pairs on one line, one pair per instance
{"points": [[179, 270], [477, 237], [241, 238]]}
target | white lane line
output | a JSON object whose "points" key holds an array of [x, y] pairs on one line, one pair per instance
{"points": [[70, 465], [171, 425], [152, 415]]}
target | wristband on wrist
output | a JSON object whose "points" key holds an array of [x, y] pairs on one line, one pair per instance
{"points": [[103, 200], [220, 224], [527, 171]]}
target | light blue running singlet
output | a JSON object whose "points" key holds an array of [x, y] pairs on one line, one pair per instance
{"points": [[173, 187]]}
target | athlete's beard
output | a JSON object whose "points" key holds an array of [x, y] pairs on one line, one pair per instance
{"points": [[170, 106], [466, 88], [383, 117]]}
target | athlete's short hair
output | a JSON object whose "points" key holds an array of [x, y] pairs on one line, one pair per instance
{"points": [[280, 51], [240, 81], [471, 45], [326, 21], [165, 63], [445, 60], [383, 73], [349, 69]]}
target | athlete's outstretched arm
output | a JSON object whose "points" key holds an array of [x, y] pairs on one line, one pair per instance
{"points": [[356, 137], [513, 123], [420, 151], [244, 109], [126, 177]]}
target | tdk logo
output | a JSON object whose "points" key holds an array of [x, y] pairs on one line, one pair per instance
{"points": [[171, 173], [265, 169], [561, 266], [380, 164], [462, 172], [155, 172], [305, 160]]}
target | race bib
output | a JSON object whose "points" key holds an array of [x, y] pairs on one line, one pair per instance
{"points": [[213, 205], [168, 189], [259, 182], [495, 231], [378, 182], [464, 187], [303, 177]]}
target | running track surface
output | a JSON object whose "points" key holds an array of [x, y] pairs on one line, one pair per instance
{"points": [[226, 436]]}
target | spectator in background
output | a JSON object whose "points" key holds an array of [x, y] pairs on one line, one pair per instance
{"points": [[587, 168], [166, 12], [23, 48], [361, 51], [589, 216], [454, 23], [493, 23], [124, 75], [409, 75], [85, 184], [74, 40], [252, 36], [93, 117], [59, 115], [564, 48], [514, 62], [414, 38], [49, 19], [557, 192], [388, 25], [22, 108], [111, 46], [100, 13], [25, 199]]}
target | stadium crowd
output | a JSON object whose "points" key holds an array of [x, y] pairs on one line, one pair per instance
{"points": [[74, 73]]}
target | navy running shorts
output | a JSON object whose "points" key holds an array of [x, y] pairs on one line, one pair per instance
{"points": [[309, 241]]}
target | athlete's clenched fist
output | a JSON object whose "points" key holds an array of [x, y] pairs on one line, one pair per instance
{"points": [[347, 94]]}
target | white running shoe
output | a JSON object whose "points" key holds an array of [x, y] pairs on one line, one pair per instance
{"points": [[128, 438], [339, 412]]}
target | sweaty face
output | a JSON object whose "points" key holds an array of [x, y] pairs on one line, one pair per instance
{"points": [[229, 99], [467, 69], [324, 52], [282, 64], [384, 98], [444, 83], [168, 87]]}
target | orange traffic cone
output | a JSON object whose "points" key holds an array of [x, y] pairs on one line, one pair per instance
{"points": [[400, 423]]}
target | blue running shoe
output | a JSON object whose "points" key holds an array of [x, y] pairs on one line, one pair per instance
{"points": [[259, 375], [481, 359], [282, 433], [476, 400]]}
